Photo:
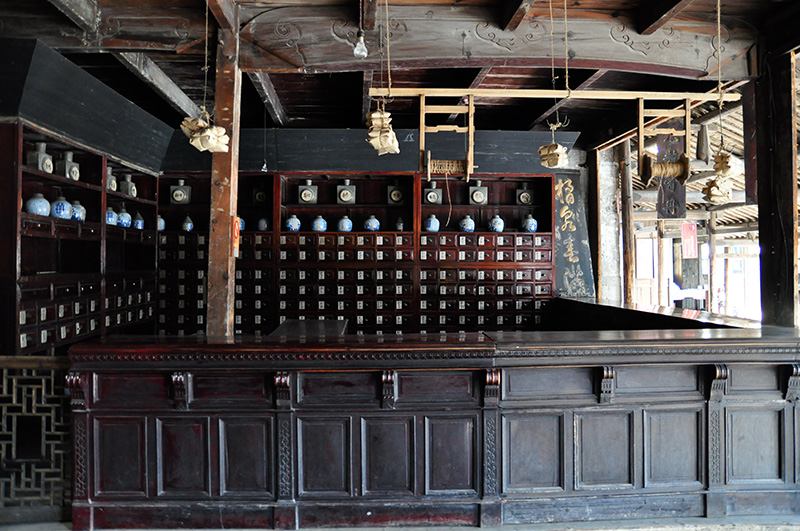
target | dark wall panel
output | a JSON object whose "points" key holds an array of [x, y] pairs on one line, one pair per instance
{"points": [[246, 457], [754, 443], [120, 457], [604, 449], [324, 462], [533, 447], [388, 456], [183, 457], [673, 448], [451, 465]]}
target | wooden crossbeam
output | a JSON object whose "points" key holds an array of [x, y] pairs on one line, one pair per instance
{"points": [[545, 93], [149, 72], [591, 80], [446, 109], [226, 12], [664, 112], [441, 128], [269, 96], [655, 14], [84, 13]]}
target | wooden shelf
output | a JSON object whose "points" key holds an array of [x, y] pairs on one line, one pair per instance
{"points": [[33, 175], [126, 197]]}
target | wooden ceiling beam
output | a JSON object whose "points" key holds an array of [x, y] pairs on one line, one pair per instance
{"points": [[266, 90], [591, 80], [619, 95], [84, 13], [513, 14], [476, 82], [655, 14], [226, 12], [149, 72]]}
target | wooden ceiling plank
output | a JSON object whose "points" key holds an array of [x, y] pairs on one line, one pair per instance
{"points": [[266, 90], [226, 13], [655, 14], [149, 72], [84, 13], [591, 80], [366, 100], [513, 17]]}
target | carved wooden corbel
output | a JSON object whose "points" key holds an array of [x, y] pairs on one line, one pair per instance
{"points": [[181, 389], [719, 386], [283, 395], [793, 385], [75, 384], [388, 389], [607, 385], [491, 393]]}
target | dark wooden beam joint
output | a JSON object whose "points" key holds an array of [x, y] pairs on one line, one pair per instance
{"points": [[84, 13], [514, 14], [655, 14], [491, 393], [76, 385], [719, 385], [181, 389], [389, 389], [607, 385], [226, 12], [370, 13]]}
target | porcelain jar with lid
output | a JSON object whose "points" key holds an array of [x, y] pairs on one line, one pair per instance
{"points": [[37, 204], [467, 224], [319, 224], [345, 224], [432, 224], [61, 208]]}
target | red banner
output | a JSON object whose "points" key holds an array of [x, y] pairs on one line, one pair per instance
{"points": [[689, 239]]}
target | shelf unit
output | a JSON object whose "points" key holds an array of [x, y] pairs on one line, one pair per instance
{"points": [[386, 281], [66, 279]]}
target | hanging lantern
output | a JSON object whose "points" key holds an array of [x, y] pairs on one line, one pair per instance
{"points": [[718, 191], [553, 156], [380, 133], [722, 164]]}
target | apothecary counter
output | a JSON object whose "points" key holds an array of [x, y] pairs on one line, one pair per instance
{"points": [[476, 429]]}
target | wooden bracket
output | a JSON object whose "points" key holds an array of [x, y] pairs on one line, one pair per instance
{"points": [[607, 385], [491, 393], [719, 386], [181, 389], [283, 395], [389, 389], [793, 385], [76, 385]]}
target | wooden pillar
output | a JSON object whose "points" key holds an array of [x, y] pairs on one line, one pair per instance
{"points": [[660, 270], [776, 135], [628, 249], [712, 262], [224, 189]]}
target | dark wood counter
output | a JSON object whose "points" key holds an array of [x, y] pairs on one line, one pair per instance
{"points": [[453, 429]]}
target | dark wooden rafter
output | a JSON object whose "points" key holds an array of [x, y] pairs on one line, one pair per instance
{"points": [[226, 12], [513, 14], [591, 80], [655, 14], [476, 82], [148, 71], [366, 101], [224, 190], [84, 13], [269, 96], [780, 30]]}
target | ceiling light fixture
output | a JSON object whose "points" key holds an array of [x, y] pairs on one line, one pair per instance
{"points": [[360, 51]]}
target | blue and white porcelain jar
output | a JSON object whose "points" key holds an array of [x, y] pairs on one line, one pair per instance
{"points": [[262, 224], [293, 224], [61, 208], [319, 224], [432, 224], [529, 224], [241, 224], [78, 211], [37, 205], [467, 224], [188, 225], [123, 218], [345, 224], [372, 224], [160, 223], [496, 224], [111, 216], [138, 221]]}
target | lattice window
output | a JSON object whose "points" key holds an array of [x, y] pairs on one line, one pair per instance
{"points": [[35, 440]]}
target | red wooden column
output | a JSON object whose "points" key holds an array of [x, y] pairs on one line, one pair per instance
{"points": [[776, 137], [224, 189]]}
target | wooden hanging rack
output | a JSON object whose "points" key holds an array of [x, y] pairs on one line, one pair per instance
{"points": [[546, 93]]}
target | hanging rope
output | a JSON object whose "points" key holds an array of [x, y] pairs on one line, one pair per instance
{"points": [[566, 49], [554, 155], [388, 51]]}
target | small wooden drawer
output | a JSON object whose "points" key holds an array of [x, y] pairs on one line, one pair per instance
{"points": [[543, 240]]}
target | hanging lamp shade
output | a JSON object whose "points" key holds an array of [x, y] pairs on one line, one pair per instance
{"points": [[380, 133], [553, 156]]}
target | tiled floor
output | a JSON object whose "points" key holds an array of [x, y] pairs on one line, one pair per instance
{"points": [[689, 524]]}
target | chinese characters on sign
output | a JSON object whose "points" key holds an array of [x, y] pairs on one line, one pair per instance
{"points": [[568, 236]]}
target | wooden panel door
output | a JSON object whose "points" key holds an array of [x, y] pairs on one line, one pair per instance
{"points": [[387, 456], [183, 457], [246, 457], [533, 451], [120, 457], [451, 454], [324, 461]]}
